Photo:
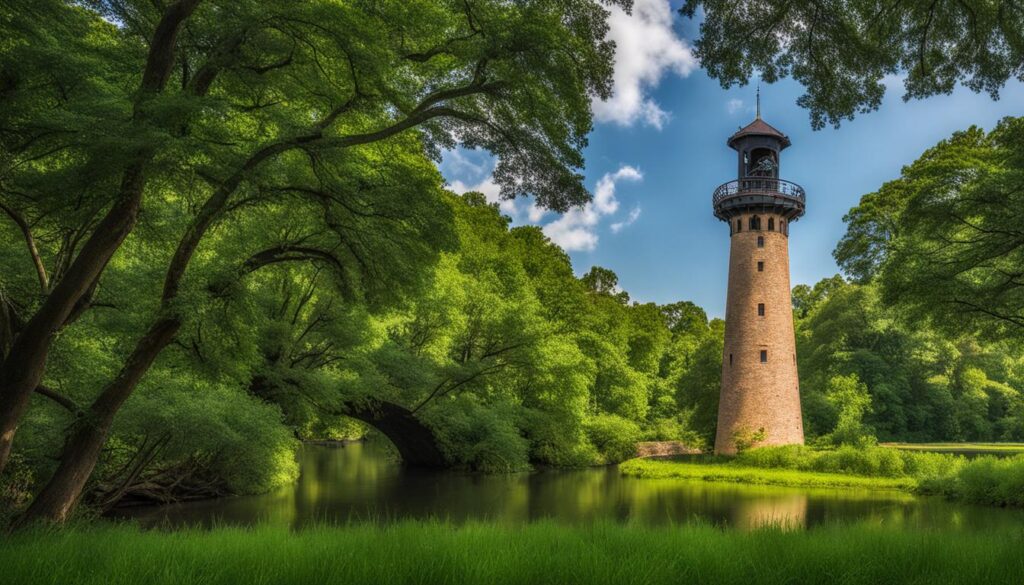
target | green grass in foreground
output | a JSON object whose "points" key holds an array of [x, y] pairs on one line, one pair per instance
{"points": [[411, 552], [663, 469]]}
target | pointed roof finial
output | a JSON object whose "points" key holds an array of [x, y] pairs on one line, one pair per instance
{"points": [[758, 100]]}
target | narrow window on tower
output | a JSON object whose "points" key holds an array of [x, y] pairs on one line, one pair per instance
{"points": [[764, 356], [739, 225], [760, 266], [730, 359], [760, 241], [771, 224], [760, 309]]}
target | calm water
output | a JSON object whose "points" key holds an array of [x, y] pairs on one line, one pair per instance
{"points": [[364, 481]]}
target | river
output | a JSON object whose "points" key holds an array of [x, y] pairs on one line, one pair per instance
{"points": [[365, 481]]}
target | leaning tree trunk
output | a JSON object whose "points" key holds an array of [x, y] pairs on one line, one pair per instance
{"points": [[22, 370], [58, 498]]}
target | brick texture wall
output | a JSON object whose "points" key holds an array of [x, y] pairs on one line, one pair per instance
{"points": [[758, 395]]}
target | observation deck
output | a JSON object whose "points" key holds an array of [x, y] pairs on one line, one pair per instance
{"points": [[759, 194]]}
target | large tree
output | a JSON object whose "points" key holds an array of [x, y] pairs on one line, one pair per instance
{"points": [[252, 102], [945, 239], [842, 50]]}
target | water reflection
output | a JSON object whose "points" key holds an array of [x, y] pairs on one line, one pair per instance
{"points": [[363, 481]]}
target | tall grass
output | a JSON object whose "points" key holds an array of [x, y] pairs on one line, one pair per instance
{"points": [[428, 553], [864, 461], [986, 480], [736, 473]]}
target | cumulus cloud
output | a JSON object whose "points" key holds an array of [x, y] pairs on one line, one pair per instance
{"points": [[577, 229], [634, 215], [734, 105], [646, 47], [491, 191]]}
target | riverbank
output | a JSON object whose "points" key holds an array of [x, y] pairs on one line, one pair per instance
{"points": [[428, 552], [986, 479], [725, 472], [960, 448]]}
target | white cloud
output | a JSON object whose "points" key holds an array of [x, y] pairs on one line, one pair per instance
{"points": [[734, 105], [633, 216], [535, 214], [576, 229], [646, 46], [491, 191]]}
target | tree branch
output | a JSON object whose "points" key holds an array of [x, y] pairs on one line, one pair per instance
{"points": [[30, 242]]}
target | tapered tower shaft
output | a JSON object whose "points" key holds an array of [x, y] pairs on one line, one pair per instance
{"points": [[760, 395]]}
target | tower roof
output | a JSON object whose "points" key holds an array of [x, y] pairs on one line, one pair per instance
{"points": [[759, 128]]}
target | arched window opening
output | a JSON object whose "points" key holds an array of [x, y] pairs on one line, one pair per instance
{"points": [[760, 241], [755, 222], [762, 162], [730, 359], [764, 356], [760, 266], [760, 309], [739, 225], [771, 224]]}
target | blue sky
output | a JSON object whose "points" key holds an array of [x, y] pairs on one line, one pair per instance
{"points": [[658, 151]]}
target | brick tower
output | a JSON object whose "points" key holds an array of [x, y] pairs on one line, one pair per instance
{"points": [[760, 397]]}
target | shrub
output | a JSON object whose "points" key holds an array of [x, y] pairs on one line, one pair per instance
{"points": [[676, 428], [745, 438], [866, 461], [985, 480], [613, 436], [16, 484], [850, 399], [479, 437]]}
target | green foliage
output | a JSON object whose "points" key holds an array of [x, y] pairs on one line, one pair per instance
{"points": [[842, 51], [614, 437], [984, 480], [213, 431], [744, 439], [16, 485], [295, 236], [477, 437], [851, 401], [737, 473], [940, 241], [696, 372], [848, 459], [676, 428], [922, 383]]}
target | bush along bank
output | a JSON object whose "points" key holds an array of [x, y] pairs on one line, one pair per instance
{"points": [[983, 480]]}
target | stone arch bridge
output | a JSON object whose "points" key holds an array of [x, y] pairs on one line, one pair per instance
{"points": [[415, 442]]}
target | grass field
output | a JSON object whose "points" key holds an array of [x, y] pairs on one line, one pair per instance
{"points": [[961, 448], [430, 553], [664, 469], [985, 479]]}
